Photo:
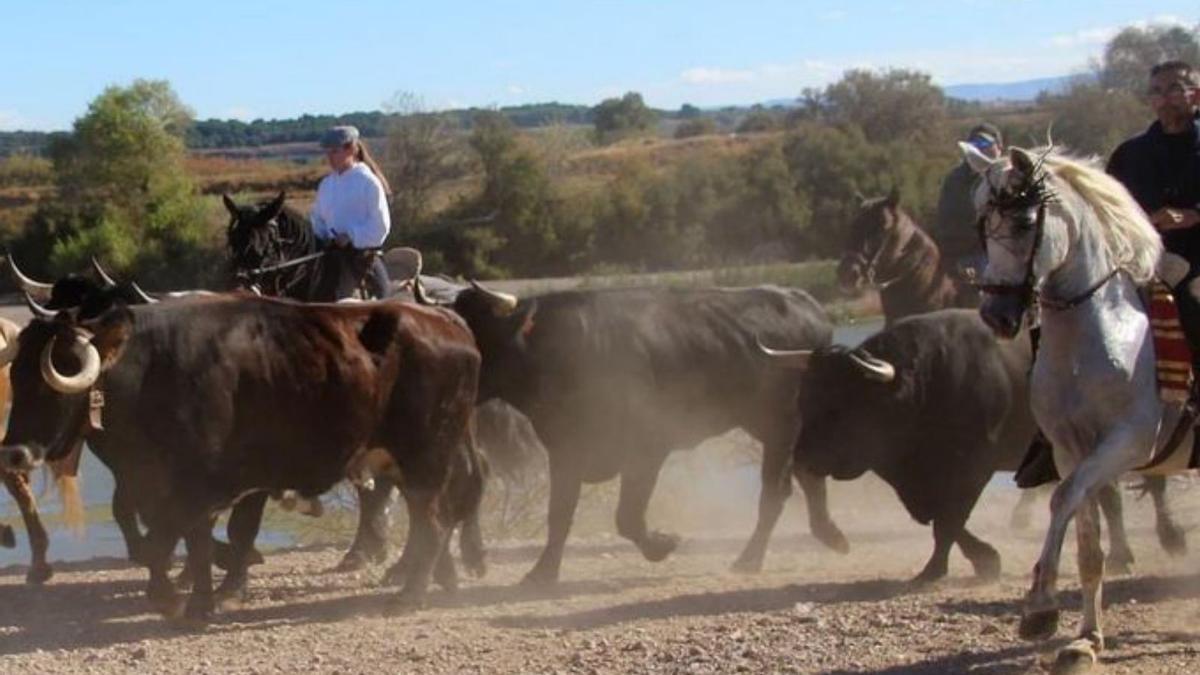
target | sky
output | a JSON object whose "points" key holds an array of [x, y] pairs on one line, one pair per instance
{"points": [[248, 59]]}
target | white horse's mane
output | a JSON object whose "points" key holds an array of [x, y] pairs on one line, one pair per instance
{"points": [[1131, 241]]}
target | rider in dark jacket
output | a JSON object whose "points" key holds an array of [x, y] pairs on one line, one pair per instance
{"points": [[1161, 169]]}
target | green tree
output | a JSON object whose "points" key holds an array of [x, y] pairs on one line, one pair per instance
{"points": [[697, 126], [1131, 53], [124, 195], [617, 118], [759, 119], [886, 105], [418, 154], [1089, 118]]}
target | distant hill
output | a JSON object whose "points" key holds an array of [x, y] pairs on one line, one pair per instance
{"points": [[1023, 90]]}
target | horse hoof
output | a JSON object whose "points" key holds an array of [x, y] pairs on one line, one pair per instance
{"points": [[1119, 565], [1077, 657], [38, 575], [657, 546], [1172, 539], [404, 605], [1039, 625]]}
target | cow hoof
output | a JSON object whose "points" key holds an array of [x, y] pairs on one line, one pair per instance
{"points": [[476, 568], [183, 622], [1119, 563], [747, 564], [353, 561], [832, 538], [1077, 657], [396, 575], [1038, 625], [39, 574], [404, 605], [657, 546], [540, 578], [7, 538], [169, 606], [229, 601], [987, 568], [183, 580], [1172, 539]]}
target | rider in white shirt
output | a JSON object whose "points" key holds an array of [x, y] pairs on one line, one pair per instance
{"points": [[352, 206]]}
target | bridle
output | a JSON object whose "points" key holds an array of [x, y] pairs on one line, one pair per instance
{"points": [[1035, 193]]}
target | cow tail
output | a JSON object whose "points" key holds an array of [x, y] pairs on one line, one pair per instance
{"points": [[72, 503]]}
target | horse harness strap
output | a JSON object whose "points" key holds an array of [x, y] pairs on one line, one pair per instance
{"points": [[1071, 303]]}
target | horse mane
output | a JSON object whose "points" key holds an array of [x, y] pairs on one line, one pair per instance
{"points": [[1130, 239]]}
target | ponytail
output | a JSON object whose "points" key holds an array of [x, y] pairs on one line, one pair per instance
{"points": [[361, 154]]}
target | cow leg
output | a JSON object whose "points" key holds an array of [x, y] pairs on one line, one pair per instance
{"points": [[819, 522], [370, 541], [776, 488], [984, 558], [637, 485], [470, 545], [124, 511], [565, 485], [946, 531], [1120, 557], [426, 539], [243, 527], [199, 541], [444, 572], [156, 550], [22, 492], [1170, 535]]}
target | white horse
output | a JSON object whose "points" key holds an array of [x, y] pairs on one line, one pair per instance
{"points": [[1062, 234]]}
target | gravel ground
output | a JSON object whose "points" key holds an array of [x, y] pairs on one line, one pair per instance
{"points": [[809, 611]]}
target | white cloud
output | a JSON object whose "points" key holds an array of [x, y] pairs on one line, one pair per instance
{"points": [[705, 76], [238, 112], [1095, 36], [834, 14], [9, 120], [515, 89]]}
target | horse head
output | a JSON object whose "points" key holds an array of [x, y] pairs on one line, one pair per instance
{"points": [[253, 234], [874, 242]]}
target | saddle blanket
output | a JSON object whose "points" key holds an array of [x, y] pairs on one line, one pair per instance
{"points": [[1171, 350]]}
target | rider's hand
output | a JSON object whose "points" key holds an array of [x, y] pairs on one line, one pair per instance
{"points": [[1168, 218]]}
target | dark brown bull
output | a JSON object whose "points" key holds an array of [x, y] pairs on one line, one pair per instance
{"points": [[209, 400]]}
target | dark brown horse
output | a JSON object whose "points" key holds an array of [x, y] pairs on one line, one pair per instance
{"points": [[887, 250]]}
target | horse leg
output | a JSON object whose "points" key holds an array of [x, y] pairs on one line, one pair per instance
{"points": [[1110, 458], [22, 492], [1170, 535], [1120, 556], [776, 488], [1081, 653]]}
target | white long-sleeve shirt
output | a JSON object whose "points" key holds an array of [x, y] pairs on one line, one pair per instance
{"points": [[352, 202]]}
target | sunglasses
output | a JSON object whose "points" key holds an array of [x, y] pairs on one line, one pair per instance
{"points": [[981, 142]]}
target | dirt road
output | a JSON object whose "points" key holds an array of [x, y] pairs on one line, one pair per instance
{"points": [[810, 611]]}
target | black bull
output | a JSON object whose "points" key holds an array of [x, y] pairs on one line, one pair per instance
{"points": [[934, 405], [614, 380], [209, 400]]}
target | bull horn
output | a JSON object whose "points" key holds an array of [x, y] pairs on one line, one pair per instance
{"points": [[37, 310], [9, 332], [142, 295], [104, 276], [88, 355], [503, 304], [418, 291], [873, 368], [796, 359], [37, 289]]}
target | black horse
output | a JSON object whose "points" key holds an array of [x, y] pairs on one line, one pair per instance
{"points": [[273, 251]]}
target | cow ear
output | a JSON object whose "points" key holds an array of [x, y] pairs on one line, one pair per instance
{"points": [[231, 207], [111, 332]]}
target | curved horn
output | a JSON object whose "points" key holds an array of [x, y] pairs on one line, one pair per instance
{"points": [[871, 367], [81, 381], [502, 303], [142, 295], [104, 277], [418, 291], [796, 359], [37, 289], [37, 310], [9, 332]]}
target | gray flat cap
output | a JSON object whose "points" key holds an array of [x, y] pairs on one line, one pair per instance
{"points": [[336, 137]]}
